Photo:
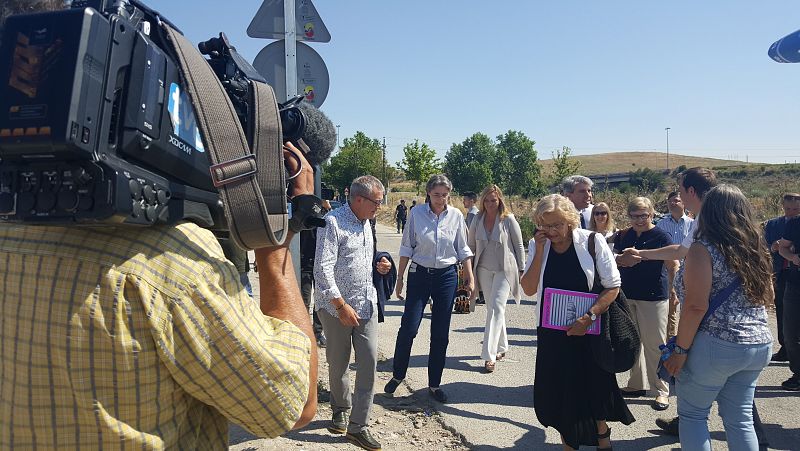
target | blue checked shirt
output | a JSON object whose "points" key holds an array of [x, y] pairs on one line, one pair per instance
{"points": [[343, 264], [677, 230]]}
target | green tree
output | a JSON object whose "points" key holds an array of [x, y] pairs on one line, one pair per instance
{"points": [[11, 7], [563, 165], [646, 179], [517, 169], [469, 164], [419, 163], [360, 155]]}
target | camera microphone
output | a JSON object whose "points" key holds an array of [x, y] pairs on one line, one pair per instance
{"points": [[786, 49], [319, 134]]}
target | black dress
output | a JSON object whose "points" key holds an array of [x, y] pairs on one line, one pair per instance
{"points": [[570, 392]]}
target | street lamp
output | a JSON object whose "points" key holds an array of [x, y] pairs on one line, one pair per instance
{"points": [[667, 130], [337, 136]]}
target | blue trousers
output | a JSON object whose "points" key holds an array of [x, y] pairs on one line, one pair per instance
{"points": [[725, 372], [423, 283]]}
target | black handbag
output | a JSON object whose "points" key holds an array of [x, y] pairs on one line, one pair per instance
{"points": [[617, 347]]}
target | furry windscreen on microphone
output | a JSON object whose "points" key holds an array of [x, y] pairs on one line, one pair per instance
{"points": [[319, 134]]}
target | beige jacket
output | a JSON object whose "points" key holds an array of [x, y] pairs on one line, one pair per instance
{"points": [[511, 239]]}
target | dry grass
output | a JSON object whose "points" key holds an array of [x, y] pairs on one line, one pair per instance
{"points": [[617, 162]]}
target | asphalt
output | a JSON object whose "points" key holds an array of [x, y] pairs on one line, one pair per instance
{"points": [[495, 411]]}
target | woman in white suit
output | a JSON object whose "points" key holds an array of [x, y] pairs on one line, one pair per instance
{"points": [[496, 240]]}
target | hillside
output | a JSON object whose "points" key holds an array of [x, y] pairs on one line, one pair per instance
{"points": [[610, 163]]}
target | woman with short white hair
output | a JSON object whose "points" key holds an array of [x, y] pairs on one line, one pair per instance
{"points": [[572, 393]]}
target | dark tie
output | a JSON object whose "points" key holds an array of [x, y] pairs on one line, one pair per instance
{"points": [[583, 221]]}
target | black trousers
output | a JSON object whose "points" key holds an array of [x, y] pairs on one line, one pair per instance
{"points": [[307, 291], [780, 289], [791, 322]]}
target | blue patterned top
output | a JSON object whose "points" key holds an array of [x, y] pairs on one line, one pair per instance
{"points": [[343, 264], [737, 320]]}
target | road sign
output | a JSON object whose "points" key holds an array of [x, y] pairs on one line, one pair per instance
{"points": [[312, 73], [268, 22]]}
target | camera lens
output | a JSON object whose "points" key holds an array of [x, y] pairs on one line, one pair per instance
{"points": [[293, 123]]}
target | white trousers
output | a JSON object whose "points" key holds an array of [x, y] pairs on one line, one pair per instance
{"points": [[495, 290]]}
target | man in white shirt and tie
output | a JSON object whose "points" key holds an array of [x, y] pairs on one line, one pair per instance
{"points": [[578, 189]]}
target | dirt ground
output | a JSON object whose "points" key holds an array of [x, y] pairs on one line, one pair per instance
{"points": [[406, 421]]}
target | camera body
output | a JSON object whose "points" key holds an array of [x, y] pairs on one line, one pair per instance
{"points": [[95, 125]]}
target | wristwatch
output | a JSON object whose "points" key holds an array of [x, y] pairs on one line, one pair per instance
{"points": [[680, 350], [592, 316]]}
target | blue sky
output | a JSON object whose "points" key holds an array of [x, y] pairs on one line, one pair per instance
{"points": [[595, 76]]}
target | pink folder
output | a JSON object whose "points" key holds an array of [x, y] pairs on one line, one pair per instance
{"points": [[561, 308]]}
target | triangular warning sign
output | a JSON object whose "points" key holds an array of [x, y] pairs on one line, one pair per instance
{"points": [[268, 22]]}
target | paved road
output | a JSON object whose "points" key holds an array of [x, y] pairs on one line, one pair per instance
{"points": [[495, 411]]}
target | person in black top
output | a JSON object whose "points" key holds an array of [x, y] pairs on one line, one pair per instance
{"points": [[400, 215], [572, 393], [788, 248], [647, 287], [308, 246]]}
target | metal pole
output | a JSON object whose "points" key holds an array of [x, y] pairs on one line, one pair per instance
{"points": [[290, 44], [385, 180], [667, 129]]}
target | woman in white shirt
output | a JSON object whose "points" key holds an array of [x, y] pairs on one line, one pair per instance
{"points": [[434, 241]]}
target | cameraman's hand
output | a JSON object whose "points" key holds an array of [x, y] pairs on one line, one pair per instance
{"points": [[295, 161]]}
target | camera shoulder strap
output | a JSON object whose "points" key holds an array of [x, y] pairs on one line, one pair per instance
{"points": [[243, 177]]}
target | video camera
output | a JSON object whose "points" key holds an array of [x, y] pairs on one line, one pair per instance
{"points": [[96, 126]]}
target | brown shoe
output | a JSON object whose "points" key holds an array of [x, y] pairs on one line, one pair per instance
{"points": [[489, 367], [501, 356]]}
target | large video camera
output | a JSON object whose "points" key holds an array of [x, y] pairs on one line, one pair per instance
{"points": [[96, 126]]}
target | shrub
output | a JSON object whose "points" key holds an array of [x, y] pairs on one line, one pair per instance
{"points": [[527, 226]]}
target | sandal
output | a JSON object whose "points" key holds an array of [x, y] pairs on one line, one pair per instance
{"points": [[501, 356], [489, 367], [606, 434]]}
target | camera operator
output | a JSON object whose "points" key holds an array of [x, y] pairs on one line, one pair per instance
{"points": [[145, 338]]}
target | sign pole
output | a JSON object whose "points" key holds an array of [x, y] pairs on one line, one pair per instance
{"points": [[291, 48]]}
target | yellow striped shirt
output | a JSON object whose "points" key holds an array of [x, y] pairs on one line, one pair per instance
{"points": [[137, 338]]}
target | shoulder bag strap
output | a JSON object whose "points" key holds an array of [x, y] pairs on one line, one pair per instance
{"points": [[715, 301], [597, 282], [244, 178]]}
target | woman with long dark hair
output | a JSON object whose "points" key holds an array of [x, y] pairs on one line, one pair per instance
{"points": [[723, 339]]}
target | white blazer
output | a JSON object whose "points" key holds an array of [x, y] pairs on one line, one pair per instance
{"points": [[606, 264]]}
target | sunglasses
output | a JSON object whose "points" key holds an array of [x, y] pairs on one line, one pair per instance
{"points": [[377, 203], [600, 213]]}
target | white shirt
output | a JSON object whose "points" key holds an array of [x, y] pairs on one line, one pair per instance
{"points": [[435, 241], [687, 242], [606, 265], [343, 264], [586, 213]]}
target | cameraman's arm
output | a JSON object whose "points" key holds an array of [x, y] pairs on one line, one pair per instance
{"points": [[280, 298], [280, 292]]}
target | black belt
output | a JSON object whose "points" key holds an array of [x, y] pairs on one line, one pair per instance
{"points": [[424, 269]]}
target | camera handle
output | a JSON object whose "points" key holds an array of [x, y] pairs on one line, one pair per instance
{"points": [[254, 200]]}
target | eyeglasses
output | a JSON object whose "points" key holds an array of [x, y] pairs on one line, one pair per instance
{"points": [[376, 202], [556, 226], [439, 196], [600, 213], [639, 217]]}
